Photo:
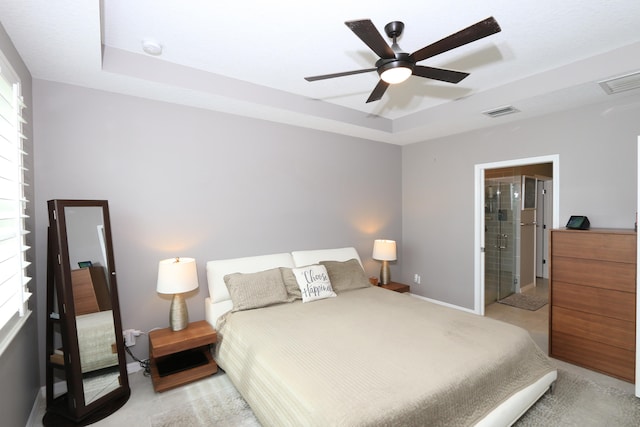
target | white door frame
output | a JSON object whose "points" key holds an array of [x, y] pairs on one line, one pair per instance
{"points": [[479, 214], [543, 214], [638, 279]]}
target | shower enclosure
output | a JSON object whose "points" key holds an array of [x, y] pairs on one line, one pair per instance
{"points": [[502, 226]]}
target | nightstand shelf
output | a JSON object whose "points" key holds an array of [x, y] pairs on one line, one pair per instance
{"points": [[396, 287], [181, 357]]}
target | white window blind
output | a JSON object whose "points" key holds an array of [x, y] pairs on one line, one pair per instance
{"points": [[13, 249]]}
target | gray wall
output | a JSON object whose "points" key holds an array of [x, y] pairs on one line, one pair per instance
{"points": [[19, 379], [597, 148], [188, 182]]}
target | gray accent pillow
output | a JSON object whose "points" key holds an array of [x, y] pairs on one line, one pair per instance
{"points": [[290, 283], [346, 275], [255, 290]]}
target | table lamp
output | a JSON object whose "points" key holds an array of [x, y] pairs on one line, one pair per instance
{"points": [[385, 251], [177, 276]]}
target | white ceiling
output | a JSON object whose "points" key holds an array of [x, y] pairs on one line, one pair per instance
{"points": [[249, 57]]}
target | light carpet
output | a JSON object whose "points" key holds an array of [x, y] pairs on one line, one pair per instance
{"points": [[580, 402], [525, 301], [576, 401], [209, 402]]}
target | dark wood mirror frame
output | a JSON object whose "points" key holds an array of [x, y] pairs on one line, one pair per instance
{"points": [[74, 407]]}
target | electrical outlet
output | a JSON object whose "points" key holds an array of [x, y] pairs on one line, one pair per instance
{"points": [[129, 337], [416, 279]]}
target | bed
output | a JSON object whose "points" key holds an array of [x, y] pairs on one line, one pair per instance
{"points": [[365, 356]]}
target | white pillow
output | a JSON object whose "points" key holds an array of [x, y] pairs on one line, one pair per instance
{"points": [[314, 283]]}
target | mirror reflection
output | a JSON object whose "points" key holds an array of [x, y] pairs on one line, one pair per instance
{"points": [[92, 301]]}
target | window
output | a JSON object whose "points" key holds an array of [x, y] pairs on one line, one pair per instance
{"points": [[13, 249]]}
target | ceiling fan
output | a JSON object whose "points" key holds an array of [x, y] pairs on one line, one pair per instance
{"points": [[395, 65]]}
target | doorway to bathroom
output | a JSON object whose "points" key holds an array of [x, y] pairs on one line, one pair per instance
{"points": [[516, 203], [501, 236]]}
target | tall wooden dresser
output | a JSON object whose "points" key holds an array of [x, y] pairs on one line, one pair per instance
{"points": [[593, 299]]}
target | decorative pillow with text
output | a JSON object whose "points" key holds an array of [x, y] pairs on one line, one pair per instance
{"points": [[314, 283]]}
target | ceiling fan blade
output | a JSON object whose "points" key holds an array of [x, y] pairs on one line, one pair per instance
{"points": [[470, 34], [378, 91], [371, 37], [344, 73], [441, 74]]}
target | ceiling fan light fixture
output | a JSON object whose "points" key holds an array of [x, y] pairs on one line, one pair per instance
{"points": [[396, 75], [396, 70]]}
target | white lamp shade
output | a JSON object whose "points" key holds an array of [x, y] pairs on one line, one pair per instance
{"points": [[177, 275], [384, 250]]}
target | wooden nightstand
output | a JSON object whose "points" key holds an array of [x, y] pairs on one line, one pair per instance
{"points": [[180, 357], [397, 287]]}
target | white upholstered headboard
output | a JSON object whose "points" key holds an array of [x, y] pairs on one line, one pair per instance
{"points": [[216, 270], [302, 258], [219, 301]]}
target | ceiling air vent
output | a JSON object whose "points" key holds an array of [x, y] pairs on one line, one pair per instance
{"points": [[501, 111], [621, 83]]}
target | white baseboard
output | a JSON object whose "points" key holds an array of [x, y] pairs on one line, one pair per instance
{"points": [[35, 409], [133, 367], [528, 287], [59, 387], [446, 304]]}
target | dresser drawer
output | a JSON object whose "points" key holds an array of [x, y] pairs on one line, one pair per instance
{"points": [[603, 302], [614, 332], [620, 247], [610, 360], [602, 274]]}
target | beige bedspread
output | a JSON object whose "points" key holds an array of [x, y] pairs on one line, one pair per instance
{"points": [[372, 357]]}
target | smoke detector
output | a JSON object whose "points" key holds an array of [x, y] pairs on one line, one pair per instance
{"points": [[151, 47]]}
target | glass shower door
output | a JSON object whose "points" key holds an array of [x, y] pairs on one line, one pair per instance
{"points": [[501, 222]]}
